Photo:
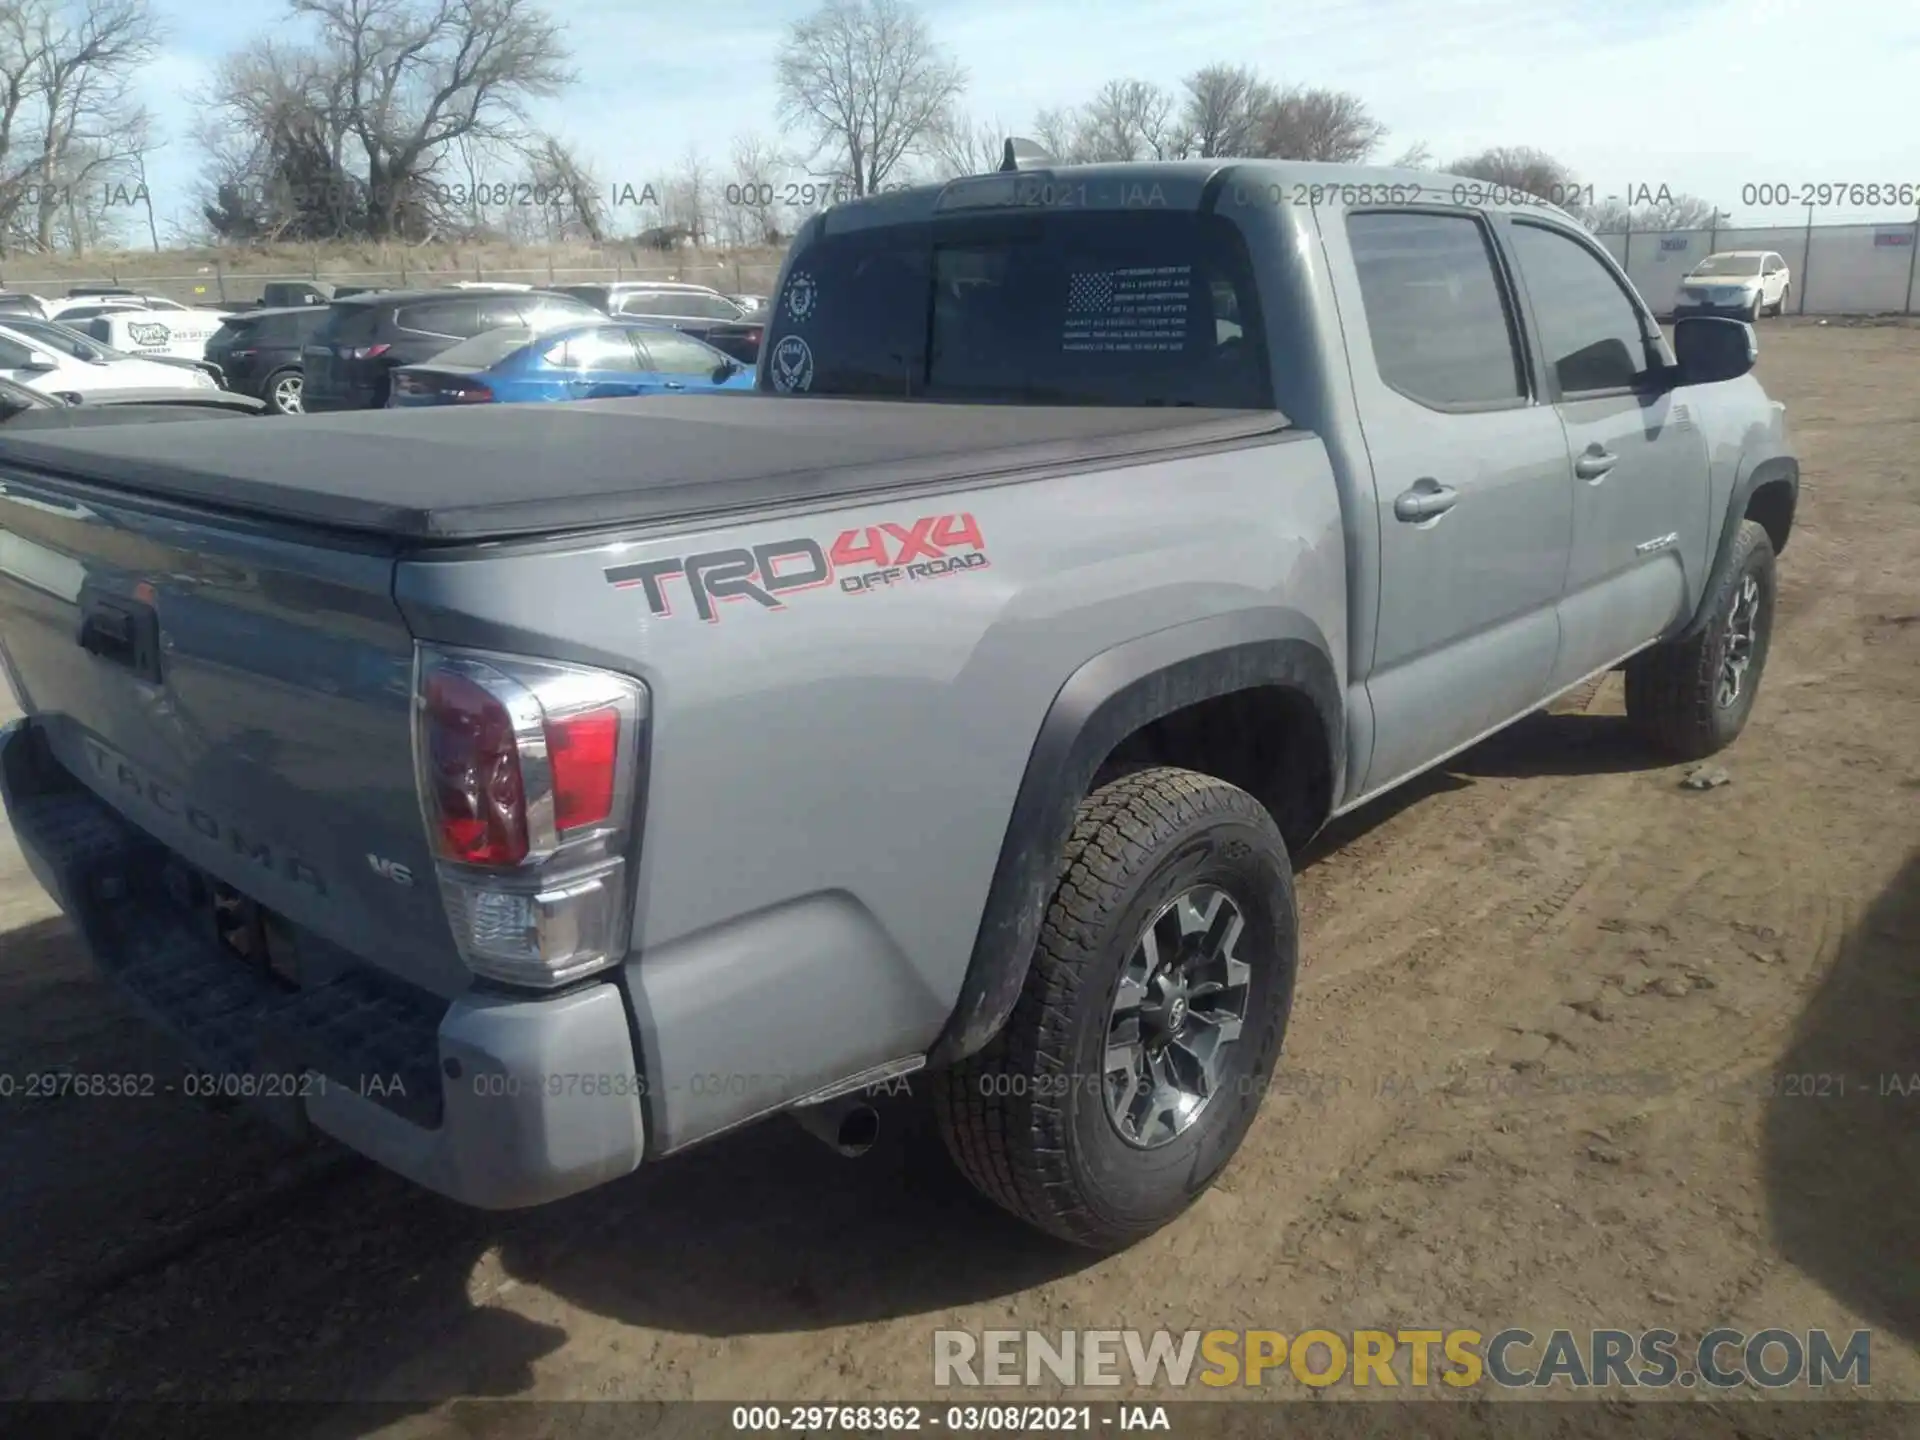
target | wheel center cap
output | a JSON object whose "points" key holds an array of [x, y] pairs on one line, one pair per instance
{"points": [[1176, 1012]]}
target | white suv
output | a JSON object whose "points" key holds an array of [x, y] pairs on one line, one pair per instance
{"points": [[1747, 283]]}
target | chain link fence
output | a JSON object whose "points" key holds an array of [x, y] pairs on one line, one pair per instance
{"points": [[220, 281], [1847, 269]]}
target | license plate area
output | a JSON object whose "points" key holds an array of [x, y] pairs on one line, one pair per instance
{"points": [[243, 928]]}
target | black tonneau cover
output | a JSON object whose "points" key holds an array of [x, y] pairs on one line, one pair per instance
{"points": [[493, 472]]}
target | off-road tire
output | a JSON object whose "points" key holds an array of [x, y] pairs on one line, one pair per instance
{"points": [[1671, 689], [1026, 1119]]}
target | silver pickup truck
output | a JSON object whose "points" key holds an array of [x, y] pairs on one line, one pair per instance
{"points": [[523, 794]]}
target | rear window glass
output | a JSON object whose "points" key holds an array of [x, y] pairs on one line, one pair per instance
{"points": [[1094, 308], [485, 349], [443, 317], [350, 324], [283, 329]]}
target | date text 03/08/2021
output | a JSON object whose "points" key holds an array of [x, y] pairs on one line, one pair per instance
{"points": [[194, 1084], [1002, 1419]]}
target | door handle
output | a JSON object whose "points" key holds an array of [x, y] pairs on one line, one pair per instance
{"points": [[122, 632], [1424, 501], [673, 384], [1595, 463]]}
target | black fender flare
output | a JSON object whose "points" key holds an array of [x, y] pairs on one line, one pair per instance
{"points": [[1774, 470], [1108, 698]]}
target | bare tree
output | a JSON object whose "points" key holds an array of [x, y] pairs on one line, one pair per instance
{"points": [[1131, 120], [1058, 132], [686, 199], [1415, 157], [750, 200], [375, 101], [565, 191], [1668, 212], [146, 193], [1225, 107], [82, 73], [66, 111], [1329, 125], [959, 146], [1520, 167], [866, 81]]}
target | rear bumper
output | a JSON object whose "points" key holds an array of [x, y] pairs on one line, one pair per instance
{"points": [[494, 1101]]}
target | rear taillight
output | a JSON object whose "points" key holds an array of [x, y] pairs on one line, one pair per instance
{"points": [[527, 775], [369, 352], [454, 389]]}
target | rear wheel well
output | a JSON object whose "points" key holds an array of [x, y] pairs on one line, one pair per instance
{"points": [[1268, 740], [1771, 507]]}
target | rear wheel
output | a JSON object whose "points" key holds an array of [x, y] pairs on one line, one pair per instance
{"points": [[1152, 1018], [283, 389], [1692, 697]]}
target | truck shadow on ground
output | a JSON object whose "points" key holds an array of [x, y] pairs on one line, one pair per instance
{"points": [[1842, 1167], [154, 1248], [1568, 744]]}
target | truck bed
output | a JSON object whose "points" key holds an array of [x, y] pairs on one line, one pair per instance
{"points": [[499, 471]]}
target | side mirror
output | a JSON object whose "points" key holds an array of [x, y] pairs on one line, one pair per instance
{"points": [[1710, 348], [725, 371]]}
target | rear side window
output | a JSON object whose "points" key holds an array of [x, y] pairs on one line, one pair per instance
{"points": [[1437, 315], [455, 318], [672, 354], [1589, 326], [1135, 307], [286, 329], [547, 312], [350, 324], [607, 349]]}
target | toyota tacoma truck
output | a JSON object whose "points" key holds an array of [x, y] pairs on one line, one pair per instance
{"points": [[522, 795]]}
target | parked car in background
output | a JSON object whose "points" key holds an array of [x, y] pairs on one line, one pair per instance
{"points": [[259, 353], [51, 357], [576, 362], [180, 333], [85, 307], [694, 310], [1746, 283], [24, 408], [17, 303], [348, 360]]}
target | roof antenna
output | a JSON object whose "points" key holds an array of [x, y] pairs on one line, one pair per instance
{"points": [[1023, 155]]}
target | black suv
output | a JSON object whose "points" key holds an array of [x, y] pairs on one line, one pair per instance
{"points": [[361, 339], [258, 352]]}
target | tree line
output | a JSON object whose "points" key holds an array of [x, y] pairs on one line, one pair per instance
{"points": [[413, 120]]}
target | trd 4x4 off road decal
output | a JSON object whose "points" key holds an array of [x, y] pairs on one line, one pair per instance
{"points": [[872, 557]]}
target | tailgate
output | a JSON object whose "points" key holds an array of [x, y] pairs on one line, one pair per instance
{"points": [[240, 692]]}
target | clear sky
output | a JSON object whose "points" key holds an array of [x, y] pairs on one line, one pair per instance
{"points": [[1704, 96]]}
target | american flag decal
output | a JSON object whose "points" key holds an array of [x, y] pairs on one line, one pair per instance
{"points": [[1089, 290]]}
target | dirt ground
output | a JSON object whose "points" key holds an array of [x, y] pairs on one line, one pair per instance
{"points": [[1556, 1061]]}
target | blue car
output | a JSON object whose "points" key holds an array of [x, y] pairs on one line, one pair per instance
{"points": [[584, 361]]}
